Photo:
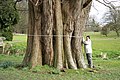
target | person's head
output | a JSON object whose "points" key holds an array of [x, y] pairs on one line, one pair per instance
{"points": [[87, 37]]}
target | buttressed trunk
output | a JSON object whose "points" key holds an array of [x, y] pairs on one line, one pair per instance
{"points": [[79, 25], [68, 30], [47, 27], [58, 33], [55, 33], [33, 52]]}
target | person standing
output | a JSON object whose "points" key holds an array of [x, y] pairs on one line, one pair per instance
{"points": [[88, 50]]}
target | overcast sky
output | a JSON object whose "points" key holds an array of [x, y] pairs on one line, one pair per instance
{"points": [[98, 10]]}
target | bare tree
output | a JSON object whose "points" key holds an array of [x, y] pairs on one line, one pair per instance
{"points": [[93, 25], [112, 17], [115, 22]]}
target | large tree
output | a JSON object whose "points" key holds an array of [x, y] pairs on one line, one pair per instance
{"points": [[55, 33]]}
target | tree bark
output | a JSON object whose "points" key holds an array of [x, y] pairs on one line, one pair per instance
{"points": [[55, 33], [79, 25], [76, 41], [68, 30], [58, 33], [33, 55], [47, 28]]}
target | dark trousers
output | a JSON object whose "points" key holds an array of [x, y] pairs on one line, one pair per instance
{"points": [[89, 59]]}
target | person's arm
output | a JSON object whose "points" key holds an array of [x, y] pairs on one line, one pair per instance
{"points": [[83, 40], [86, 42]]}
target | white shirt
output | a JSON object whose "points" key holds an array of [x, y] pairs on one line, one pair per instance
{"points": [[88, 46]]}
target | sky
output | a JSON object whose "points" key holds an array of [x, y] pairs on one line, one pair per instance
{"points": [[98, 10]]}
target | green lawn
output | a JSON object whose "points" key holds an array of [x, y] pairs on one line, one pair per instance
{"points": [[104, 69], [18, 37], [109, 45], [100, 42]]}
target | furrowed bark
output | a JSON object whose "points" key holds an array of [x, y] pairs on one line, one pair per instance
{"points": [[68, 29], [58, 33], [33, 52], [47, 28], [47, 18], [80, 22]]}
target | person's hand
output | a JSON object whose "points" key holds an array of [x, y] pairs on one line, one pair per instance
{"points": [[83, 39]]}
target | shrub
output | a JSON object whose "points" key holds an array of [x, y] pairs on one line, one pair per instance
{"points": [[18, 48], [15, 48], [8, 35], [6, 64]]}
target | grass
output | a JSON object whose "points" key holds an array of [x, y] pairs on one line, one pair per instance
{"points": [[13, 58], [19, 37], [109, 45], [97, 35], [104, 69]]}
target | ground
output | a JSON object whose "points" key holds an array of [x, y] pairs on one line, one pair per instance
{"points": [[104, 69]]}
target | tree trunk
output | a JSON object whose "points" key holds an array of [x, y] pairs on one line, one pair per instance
{"points": [[79, 26], [47, 28], [33, 55], [58, 33], [76, 41], [68, 30], [55, 33], [117, 32]]}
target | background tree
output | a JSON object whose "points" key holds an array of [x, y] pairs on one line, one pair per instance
{"points": [[115, 24], [105, 30], [21, 26], [95, 25], [55, 33], [8, 17], [92, 25], [112, 17]]}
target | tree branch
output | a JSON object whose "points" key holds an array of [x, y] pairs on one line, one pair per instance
{"points": [[108, 3], [86, 3], [103, 4], [38, 2], [94, 7]]}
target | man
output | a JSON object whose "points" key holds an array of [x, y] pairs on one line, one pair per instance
{"points": [[88, 50]]}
